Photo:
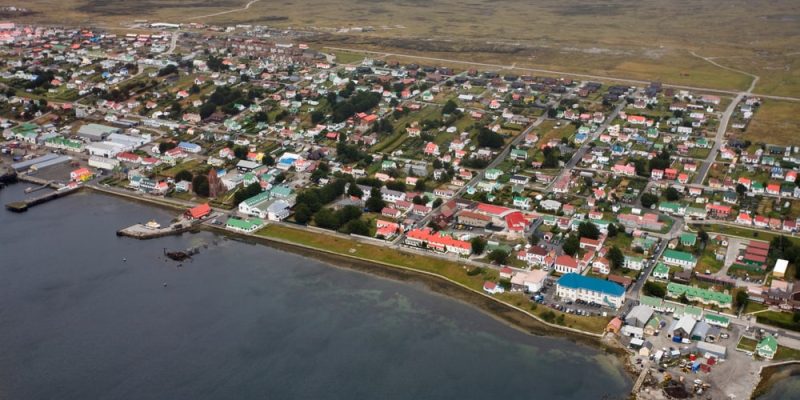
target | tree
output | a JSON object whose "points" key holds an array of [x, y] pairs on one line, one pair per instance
{"points": [[357, 227], [375, 202], [166, 146], [302, 214], [247, 192], [741, 189], [268, 160], [571, 245], [498, 256], [354, 190], [183, 175], [437, 202], [317, 117], [654, 289], [588, 230], [533, 239], [672, 194], [240, 152], [449, 107], [478, 245], [200, 185], [648, 199], [741, 298], [489, 138], [326, 218], [616, 257], [612, 230]]}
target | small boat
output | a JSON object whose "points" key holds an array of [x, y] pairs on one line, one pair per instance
{"points": [[165, 284], [124, 259]]}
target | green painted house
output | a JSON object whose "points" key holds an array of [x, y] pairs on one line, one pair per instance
{"points": [[767, 347]]}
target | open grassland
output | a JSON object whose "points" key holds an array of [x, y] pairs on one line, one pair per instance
{"points": [[775, 122], [648, 39]]}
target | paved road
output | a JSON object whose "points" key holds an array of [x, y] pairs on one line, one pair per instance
{"points": [[562, 73], [576, 158], [718, 139]]}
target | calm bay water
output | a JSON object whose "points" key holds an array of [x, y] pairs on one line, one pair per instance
{"points": [[245, 321]]}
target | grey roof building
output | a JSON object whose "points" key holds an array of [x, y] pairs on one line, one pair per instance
{"points": [[96, 132], [639, 316]]}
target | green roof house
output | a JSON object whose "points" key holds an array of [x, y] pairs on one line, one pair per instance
{"points": [[661, 271], [767, 347], [688, 239], [705, 296], [679, 258]]}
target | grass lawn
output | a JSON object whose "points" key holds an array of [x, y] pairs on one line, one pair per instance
{"points": [[347, 57], [752, 306], [779, 319], [452, 270], [786, 353], [449, 269], [747, 344]]}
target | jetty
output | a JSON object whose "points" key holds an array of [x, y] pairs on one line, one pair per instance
{"points": [[152, 230], [24, 205]]}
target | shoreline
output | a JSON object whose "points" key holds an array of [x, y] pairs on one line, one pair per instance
{"points": [[771, 374], [508, 314]]}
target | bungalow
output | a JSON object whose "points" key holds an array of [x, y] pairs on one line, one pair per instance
{"points": [[492, 288]]}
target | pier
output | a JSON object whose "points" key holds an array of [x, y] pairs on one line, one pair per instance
{"points": [[24, 205], [152, 231]]}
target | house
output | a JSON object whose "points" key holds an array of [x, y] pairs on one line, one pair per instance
{"points": [[633, 262], [767, 347], [679, 258], [578, 287], [661, 271], [81, 175], [492, 288], [198, 212], [565, 264], [530, 281], [704, 296]]}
